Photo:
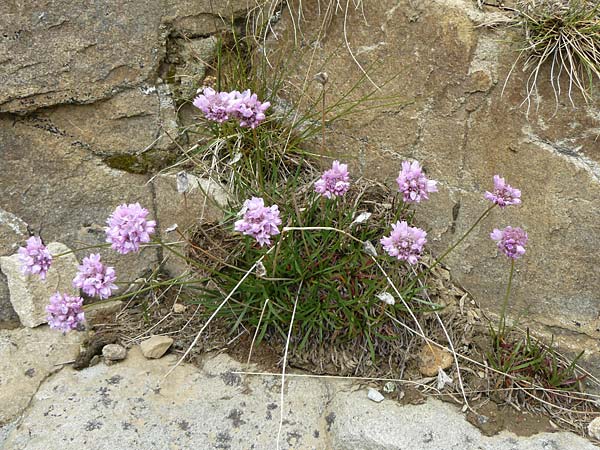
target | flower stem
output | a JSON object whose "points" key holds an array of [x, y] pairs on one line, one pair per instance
{"points": [[502, 321], [323, 123], [463, 237], [81, 249], [259, 171]]}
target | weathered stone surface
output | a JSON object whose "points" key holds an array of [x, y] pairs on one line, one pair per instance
{"points": [[203, 202], [191, 59], [27, 357], [13, 234], [29, 294], [193, 18], [102, 312], [434, 425], [594, 428], [155, 346], [54, 52], [131, 405], [453, 118], [119, 128]]}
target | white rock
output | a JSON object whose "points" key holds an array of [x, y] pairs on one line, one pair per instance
{"points": [[114, 352], [386, 297], [29, 294], [179, 308], [375, 395], [156, 346], [594, 428]]}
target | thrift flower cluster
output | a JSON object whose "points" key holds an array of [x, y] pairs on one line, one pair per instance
{"points": [[35, 258], [94, 279], [405, 243], [334, 182], [65, 313], [222, 106], [259, 221], [503, 194], [128, 228], [413, 184], [511, 241]]}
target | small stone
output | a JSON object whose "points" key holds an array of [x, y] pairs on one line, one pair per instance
{"points": [[375, 395], [432, 358], [178, 308], [113, 352], [156, 346], [594, 428]]}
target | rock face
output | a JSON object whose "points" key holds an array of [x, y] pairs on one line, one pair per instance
{"points": [[29, 294], [432, 426], [27, 357], [55, 52], [86, 114], [202, 201], [132, 405], [13, 234], [450, 114]]}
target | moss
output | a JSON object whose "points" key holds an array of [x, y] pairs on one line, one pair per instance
{"points": [[151, 161]]}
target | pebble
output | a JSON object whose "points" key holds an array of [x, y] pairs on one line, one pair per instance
{"points": [[178, 308], [113, 352], [156, 346], [375, 395], [432, 358], [594, 428]]}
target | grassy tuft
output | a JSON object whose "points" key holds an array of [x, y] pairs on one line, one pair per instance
{"points": [[565, 34], [336, 282], [527, 362]]}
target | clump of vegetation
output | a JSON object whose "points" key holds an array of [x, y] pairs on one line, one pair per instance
{"points": [[566, 35], [307, 258]]}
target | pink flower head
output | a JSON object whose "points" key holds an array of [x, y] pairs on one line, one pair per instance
{"points": [[248, 109], [334, 182], [216, 106], [405, 243], [94, 278], [65, 313], [128, 227], [511, 241], [413, 183], [259, 221], [35, 257], [503, 194]]}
